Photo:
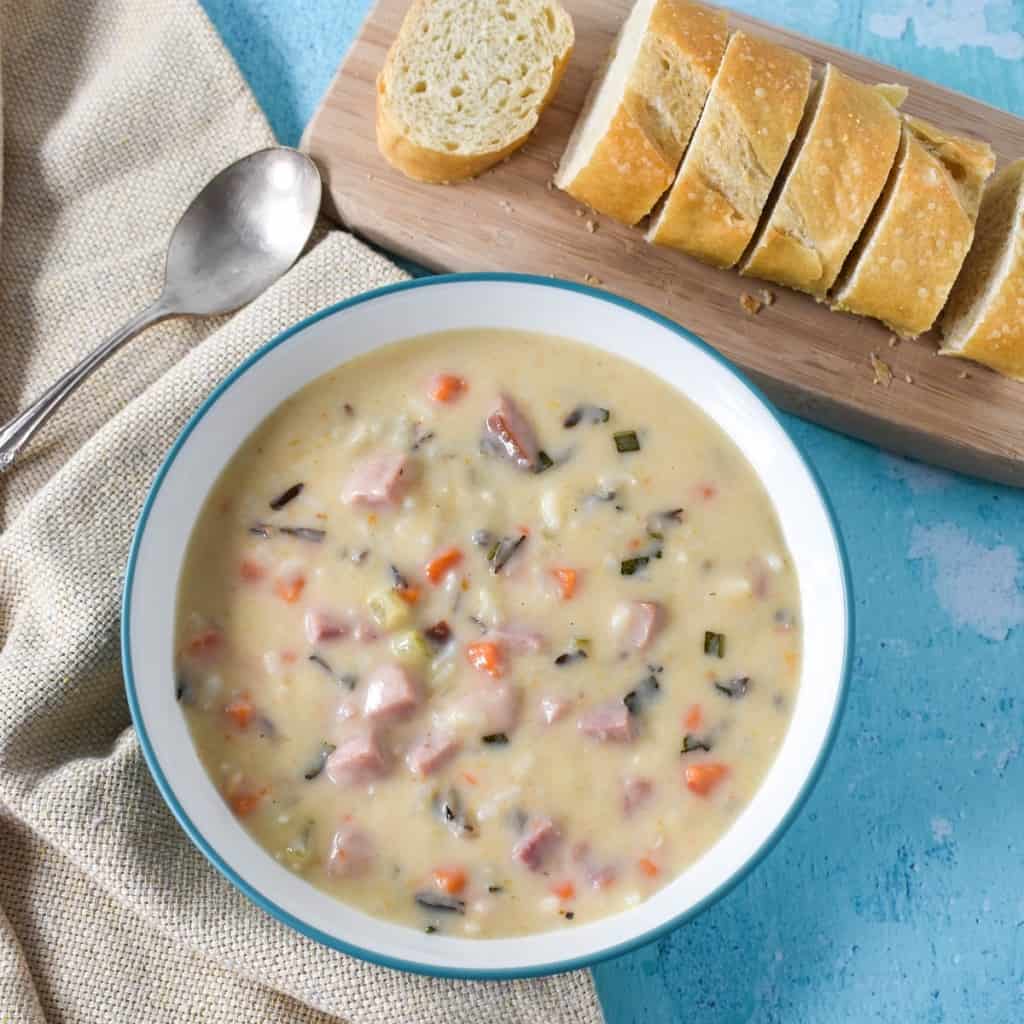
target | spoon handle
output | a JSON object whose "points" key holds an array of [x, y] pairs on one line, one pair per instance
{"points": [[15, 434]]}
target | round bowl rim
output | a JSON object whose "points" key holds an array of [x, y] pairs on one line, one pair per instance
{"points": [[416, 967]]}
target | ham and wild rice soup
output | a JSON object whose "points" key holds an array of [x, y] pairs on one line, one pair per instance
{"points": [[488, 633]]}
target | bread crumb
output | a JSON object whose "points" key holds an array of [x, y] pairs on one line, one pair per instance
{"points": [[767, 296], [591, 226], [963, 375], [894, 340], [751, 305], [505, 205], [550, 186], [590, 279], [882, 371], [580, 211], [908, 378]]}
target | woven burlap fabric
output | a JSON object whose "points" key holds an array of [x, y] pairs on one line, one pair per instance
{"points": [[114, 113]]}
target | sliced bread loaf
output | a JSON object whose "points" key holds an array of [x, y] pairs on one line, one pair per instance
{"points": [[465, 82], [836, 172], [642, 108], [751, 116], [984, 318], [905, 262]]}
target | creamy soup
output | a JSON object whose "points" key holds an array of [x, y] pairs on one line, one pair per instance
{"points": [[488, 633]]}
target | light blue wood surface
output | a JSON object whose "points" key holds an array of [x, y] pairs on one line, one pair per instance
{"points": [[898, 895]]}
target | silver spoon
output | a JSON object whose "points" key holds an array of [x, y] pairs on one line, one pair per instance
{"points": [[241, 233]]}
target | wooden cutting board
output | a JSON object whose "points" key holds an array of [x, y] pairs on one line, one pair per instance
{"points": [[810, 361]]}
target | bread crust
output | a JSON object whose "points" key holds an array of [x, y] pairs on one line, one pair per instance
{"points": [[756, 103], [918, 237], [836, 176], [438, 167], [631, 167], [996, 337]]}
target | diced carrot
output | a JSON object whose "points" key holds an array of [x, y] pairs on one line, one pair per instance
{"points": [[410, 595], [524, 530], [290, 590], [566, 579], [205, 642], [703, 778], [487, 657], [246, 801], [450, 880], [707, 491], [648, 867], [470, 778], [289, 657], [564, 890], [790, 658], [634, 544], [693, 718], [240, 710], [437, 568], [447, 387], [251, 571]]}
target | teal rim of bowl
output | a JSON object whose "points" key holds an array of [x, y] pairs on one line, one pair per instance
{"points": [[432, 970]]}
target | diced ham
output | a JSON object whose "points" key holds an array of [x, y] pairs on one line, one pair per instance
{"points": [[378, 479], [351, 853], [431, 751], [540, 839], [635, 793], [322, 626], [554, 708], [518, 639], [391, 692], [365, 633], [637, 622], [600, 876], [610, 721], [360, 758], [511, 430]]}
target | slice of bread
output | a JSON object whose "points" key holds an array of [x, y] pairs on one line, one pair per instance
{"points": [[642, 108], [751, 117], [836, 172], [984, 318], [465, 82], [905, 262]]}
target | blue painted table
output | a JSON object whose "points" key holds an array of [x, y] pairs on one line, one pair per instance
{"points": [[898, 895]]}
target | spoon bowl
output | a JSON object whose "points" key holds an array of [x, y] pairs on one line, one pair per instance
{"points": [[239, 235], [242, 232]]}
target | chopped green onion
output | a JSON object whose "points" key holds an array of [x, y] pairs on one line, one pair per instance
{"points": [[544, 461], [496, 738], [630, 565], [299, 851], [626, 441], [316, 766], [714, 644]]}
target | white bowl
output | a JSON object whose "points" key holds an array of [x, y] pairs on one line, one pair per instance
{"points": [[321, 343]]}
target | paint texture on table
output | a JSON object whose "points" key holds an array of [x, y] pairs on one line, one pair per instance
{"points": [[898, 894]]}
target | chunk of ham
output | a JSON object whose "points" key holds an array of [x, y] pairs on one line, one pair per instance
{"points": [[635, 793], [391, 692], [611, 721], [322, 626], [518, 639], [512, 433], [539, 840], [378, 479], [351, 852], [637, 623], [431, 751], [360, 758], [554, 708]]}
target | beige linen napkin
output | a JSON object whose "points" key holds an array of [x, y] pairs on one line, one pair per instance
{"points": [[115, 113]]}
